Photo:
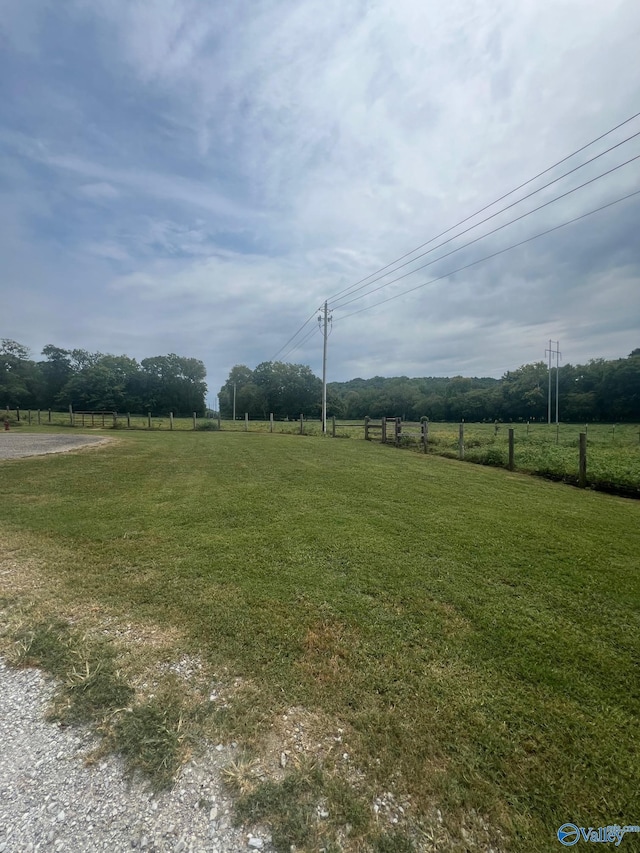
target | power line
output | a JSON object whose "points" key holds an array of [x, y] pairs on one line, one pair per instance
{"points": [[302, 342], [293, 337], [492, 255], [488, 233], [487, 206], [355, 289]]}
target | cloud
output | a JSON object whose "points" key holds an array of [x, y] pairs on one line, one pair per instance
{"points": [[200, 177]]}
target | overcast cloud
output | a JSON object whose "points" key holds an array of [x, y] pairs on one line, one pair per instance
{"points": [[198, 177]]}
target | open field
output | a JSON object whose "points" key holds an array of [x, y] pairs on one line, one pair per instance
{"points": [[467, 637], [613, 450]]}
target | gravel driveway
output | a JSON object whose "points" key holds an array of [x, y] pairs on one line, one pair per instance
{"points": [[50, 801], [13, 445]]}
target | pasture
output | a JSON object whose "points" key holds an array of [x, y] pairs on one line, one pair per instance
{"points": [[547, 450], [460, 637]]}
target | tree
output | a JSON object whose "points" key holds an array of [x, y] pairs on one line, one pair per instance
{"points": [[56, 371], [173, 383], [286, 390], [19, 376]]}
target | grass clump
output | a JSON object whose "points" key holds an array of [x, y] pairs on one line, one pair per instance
{"points": [[90, 684], [151, 737], [307, 810], [150, 734]]}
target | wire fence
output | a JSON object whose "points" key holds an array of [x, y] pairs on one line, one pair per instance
{"points": [[600, 456]]}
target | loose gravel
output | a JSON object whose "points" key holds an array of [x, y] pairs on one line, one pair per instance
{"points": [[14, 445], [51, 801]]}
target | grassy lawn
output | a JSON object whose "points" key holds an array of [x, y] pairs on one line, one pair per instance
{"points": [[472, 633]]}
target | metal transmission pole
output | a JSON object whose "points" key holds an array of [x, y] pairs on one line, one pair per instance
{"points": [[324, 319], [234, 401], [558, 354], [549, 394]]}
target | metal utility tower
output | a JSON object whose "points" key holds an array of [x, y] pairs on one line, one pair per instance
{"points": [[553, 352], [324, 319]]}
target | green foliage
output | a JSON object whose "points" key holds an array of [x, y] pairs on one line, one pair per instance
{"points": [[95, 381], [274, 387], [598, 391]]}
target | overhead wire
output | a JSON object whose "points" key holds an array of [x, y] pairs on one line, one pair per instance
{"points": [[487, 234], [294, 336], [301, 343], [492, 255], [355, 289], [369, 279], [487, 206]]}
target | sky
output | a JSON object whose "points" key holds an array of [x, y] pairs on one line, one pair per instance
{"points": [[198, 177]]}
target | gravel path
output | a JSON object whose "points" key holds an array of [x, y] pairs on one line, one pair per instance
{"points": [[50, 801], [13, 445]]}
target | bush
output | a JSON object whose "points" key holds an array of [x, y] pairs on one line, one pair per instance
{"points": [[208, 425]]}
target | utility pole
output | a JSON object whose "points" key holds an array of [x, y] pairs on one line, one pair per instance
{"points": [[324, 319], [234, 401]]}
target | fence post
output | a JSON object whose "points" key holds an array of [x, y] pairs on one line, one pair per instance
{"points": [[425, 434], [18, 412], [270, 421], [29, 416], [103, 420], [128, 420], [170, 420], [398, 431], [511, 434], [194, 420], [614, 434], [333, 426], [384, 430], [71, 413], [49, 415], [301, 424], [461, 440], [39, 417], [115, 420], [148, 420], [582, 470], [527, 427], [366, 428], [246, 421], [219, 420]]}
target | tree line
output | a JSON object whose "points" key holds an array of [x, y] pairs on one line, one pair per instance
{"points": [[99, 381], [601, 390]]}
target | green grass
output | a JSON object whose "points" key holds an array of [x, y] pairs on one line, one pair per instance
{"points": [[613, 451], [474, 632]]}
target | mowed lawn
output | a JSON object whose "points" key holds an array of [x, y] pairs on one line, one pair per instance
{"points": [[476, 631]]}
